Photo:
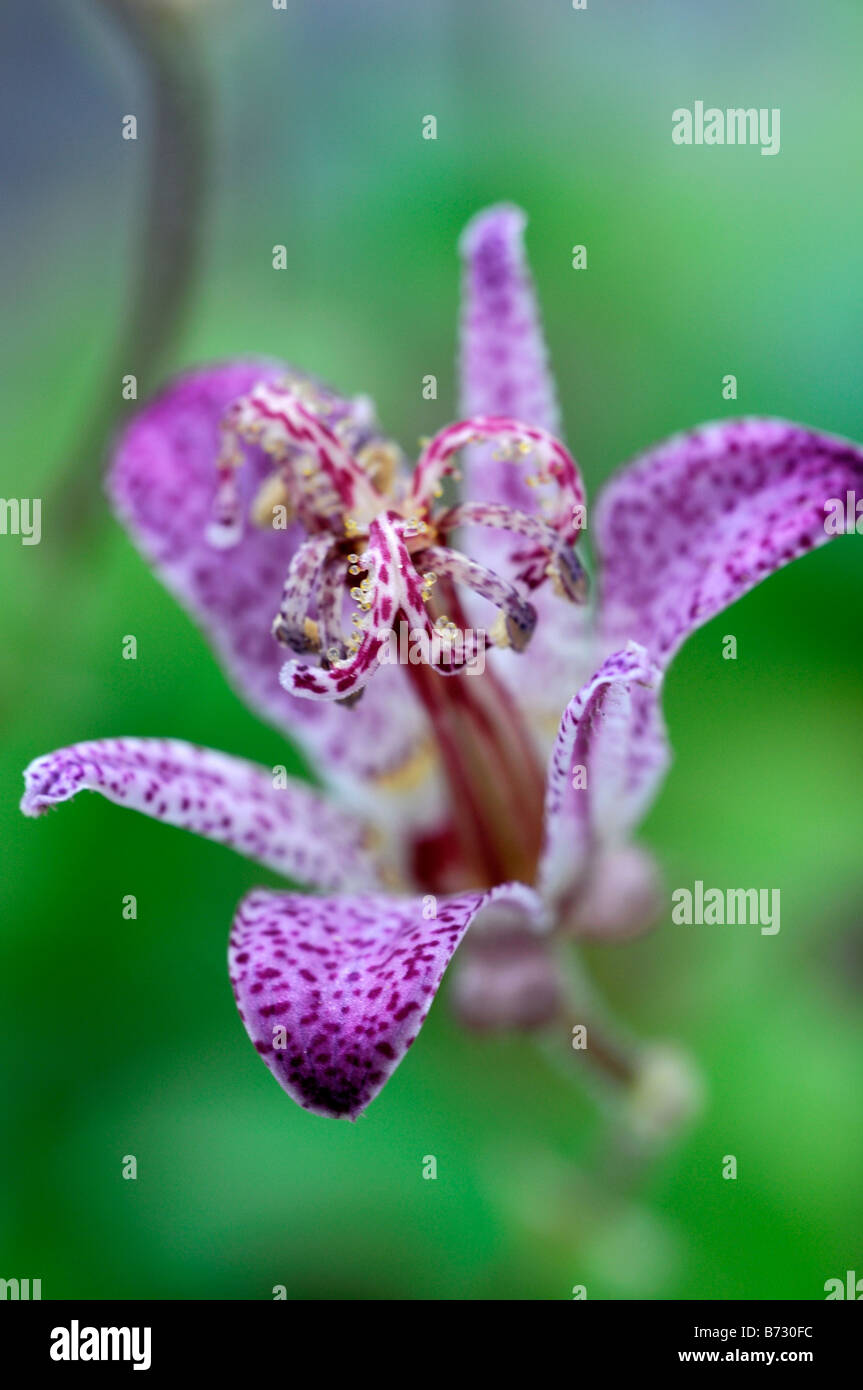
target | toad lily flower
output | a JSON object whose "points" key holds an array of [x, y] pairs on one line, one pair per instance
{"points": [[282, 519]]}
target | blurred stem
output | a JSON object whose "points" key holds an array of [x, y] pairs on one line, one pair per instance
{"points": [[611, 1057], [650, 1090], [168, 243]]}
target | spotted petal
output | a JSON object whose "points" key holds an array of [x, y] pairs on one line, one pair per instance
{"points": [[504, 371], [333, 991], [290, 828], [504, 360], [608, 759], [163, 483], [698, 521]]}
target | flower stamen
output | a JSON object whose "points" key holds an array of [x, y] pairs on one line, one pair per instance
{"points": [[398, 539]]}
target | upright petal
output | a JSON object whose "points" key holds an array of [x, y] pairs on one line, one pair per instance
{"points": [[504, 371], [163, 484], [503, 358], [333, 991], [695, 523], [290, 828], [608, 759]]}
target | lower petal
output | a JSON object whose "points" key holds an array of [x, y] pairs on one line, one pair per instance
{"points": [[333, 991]]}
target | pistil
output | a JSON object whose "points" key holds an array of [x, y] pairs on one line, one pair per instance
{"points": [[492, 769]]}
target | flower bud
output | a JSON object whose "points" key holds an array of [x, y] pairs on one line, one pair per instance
{"points": [[622, 897], [507, 978]]}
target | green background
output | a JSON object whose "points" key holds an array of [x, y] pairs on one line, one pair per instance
{"points": [[122, 1037]]}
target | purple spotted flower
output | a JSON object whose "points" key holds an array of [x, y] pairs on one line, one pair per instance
{"points": [[503, 802]]}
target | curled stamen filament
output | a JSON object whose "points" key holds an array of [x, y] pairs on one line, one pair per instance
{"points": [[519, 615], [553, 549], [293, 625]]}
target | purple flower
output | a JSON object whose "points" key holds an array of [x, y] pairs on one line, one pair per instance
{"points": [[281, 518]]}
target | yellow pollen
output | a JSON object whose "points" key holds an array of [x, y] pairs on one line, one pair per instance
{"points": [[445, 625], [498, 631]]}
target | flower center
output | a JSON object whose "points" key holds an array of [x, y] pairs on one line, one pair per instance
{"points": [[377, 560]]}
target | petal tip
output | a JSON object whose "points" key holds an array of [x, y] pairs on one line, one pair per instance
{"points": [[47, 781], [504, 221]]}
